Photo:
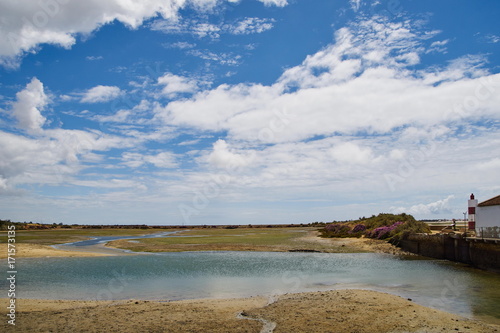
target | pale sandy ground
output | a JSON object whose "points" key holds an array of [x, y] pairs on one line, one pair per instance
{"points": [[328, 311], [353, 244], [25, 250]]}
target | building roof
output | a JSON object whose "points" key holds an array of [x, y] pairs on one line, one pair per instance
{"points": [[490, 202]]}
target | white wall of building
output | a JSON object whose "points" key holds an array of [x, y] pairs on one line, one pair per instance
{"points": [[488, 216]]}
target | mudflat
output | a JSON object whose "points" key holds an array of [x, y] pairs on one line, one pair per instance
{"points": [[326, 311]]}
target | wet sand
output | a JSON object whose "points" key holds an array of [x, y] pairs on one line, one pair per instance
{"points": [[327, 311]]}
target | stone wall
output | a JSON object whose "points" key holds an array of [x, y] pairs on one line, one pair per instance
{"points": [[478, 253]]}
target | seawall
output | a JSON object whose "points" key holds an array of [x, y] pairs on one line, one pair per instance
{"points": [[480, 253]]}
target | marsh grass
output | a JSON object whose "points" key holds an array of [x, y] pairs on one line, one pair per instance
{"points": [[241, 239]]}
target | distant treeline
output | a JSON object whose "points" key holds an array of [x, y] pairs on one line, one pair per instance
{"points": [[40, 226]]}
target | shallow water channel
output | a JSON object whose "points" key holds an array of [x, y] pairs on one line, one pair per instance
{"points": [[440, 284]]}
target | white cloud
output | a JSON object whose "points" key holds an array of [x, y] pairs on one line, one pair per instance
{"points": [[174, 84], [491, 38], [350, 152], [362, 83], [100, 94], [251, 25], [94, 58], [246, 26], [28, 107], [227, 59], [164, 160], [277, 3], [180, 45], [28, 24], [434, 208], [52, 156], [355, 4], [438, 46], [493, 164], [326, 131], [224, 158]]}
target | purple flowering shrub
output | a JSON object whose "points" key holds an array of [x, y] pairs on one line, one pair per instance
{"points": [[383, 226], [336, 230], [358, 228], [383, 232]]}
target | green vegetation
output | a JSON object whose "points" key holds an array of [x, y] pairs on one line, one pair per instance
{"points": [[240, 239], [382, 226], [408, 228], [384, 220], [218, 239]]}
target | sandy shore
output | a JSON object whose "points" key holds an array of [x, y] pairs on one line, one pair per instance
{"points": [[330, 311], [26, 250]]}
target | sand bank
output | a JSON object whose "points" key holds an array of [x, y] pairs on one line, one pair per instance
{"points": [[35, 250], [330, 311]]}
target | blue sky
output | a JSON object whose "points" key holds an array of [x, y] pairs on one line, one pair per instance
{"points": [[250, 111]]}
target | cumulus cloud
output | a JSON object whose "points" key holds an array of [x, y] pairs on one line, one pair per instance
{"points": [[350, 152], [438, 207], [28, 107], [48, 156], [277, 3], [174, 84], [26, 25], [224, 158], [100, 94], [361, 83]]}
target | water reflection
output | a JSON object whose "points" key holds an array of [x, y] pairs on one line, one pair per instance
{"points": [[441, 284]]}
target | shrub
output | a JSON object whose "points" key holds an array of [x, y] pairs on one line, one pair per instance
{"points": [[383, 232], [410, 227], [336, 230], [357, 231], [358, 228]]}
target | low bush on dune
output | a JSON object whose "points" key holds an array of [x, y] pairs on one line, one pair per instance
{"points": [[408, 228], [358, 230], [383, 232], [336, 230], [382, 226]]}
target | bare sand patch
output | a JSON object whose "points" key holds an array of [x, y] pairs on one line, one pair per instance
{"points": [[36, 250], [351, 244], [327, 311]]}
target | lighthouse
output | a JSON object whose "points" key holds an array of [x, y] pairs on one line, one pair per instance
{"points": [[472, 212]]}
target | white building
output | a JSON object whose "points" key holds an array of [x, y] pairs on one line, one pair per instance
{"points": [[488, 213]]}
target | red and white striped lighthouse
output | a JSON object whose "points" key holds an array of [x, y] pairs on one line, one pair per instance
{"points": [[472, 212]]}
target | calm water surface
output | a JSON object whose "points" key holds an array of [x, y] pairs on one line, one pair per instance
{"points": [[186, 275]]}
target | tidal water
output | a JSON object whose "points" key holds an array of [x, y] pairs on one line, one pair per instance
{"points": [[187, 275], [105, 239]]}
